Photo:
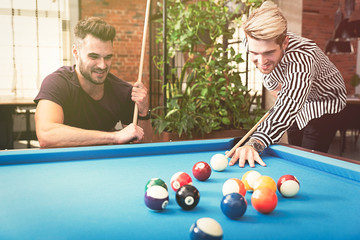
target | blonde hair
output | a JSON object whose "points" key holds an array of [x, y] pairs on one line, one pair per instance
{"points": [[266, 23]]}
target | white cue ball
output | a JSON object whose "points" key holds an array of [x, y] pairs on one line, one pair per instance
{"points": [[219, 162]]}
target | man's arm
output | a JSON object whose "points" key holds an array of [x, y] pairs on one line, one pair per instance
{"points": [[51, 131]]}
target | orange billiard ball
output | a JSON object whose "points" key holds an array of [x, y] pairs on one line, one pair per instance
{"points": [[264, 200], [265, 181]]}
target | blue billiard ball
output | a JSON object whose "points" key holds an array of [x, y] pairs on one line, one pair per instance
{"points": [[206, 229], [233, 205]]}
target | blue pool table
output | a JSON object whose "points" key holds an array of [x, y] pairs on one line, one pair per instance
{"points": [[98, 193]]}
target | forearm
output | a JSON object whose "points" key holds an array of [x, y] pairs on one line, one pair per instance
{"points": [[60, 135]]}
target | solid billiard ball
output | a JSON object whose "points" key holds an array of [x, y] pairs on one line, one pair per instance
{"points": [[233, 185], [201, 171], [249, 179], [219, 162], [265, 181], [206, 228], [155, 181], [156, 198], [288, 185], [187, 197], [264, 200], [180, 179], [233, 205]]}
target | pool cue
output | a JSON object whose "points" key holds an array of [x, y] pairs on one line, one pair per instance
{"points": [[136, 110], [249, 133]]}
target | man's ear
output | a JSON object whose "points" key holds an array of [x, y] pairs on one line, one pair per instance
{"points": [[75, 51], [285, 43]]}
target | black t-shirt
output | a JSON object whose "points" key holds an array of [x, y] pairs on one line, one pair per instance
{"points": [[80, 110]]}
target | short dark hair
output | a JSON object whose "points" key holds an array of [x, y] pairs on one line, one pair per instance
{"points": [[96, 27]]}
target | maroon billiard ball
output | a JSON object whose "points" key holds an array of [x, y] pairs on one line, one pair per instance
{"points": [[201, 171], [288, 185]]}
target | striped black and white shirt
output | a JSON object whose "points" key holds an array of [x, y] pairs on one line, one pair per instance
{"points": [[311, 87]]}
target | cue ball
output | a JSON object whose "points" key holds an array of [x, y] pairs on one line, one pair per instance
{"points": [[288, 185], [264, 200], [201, 171], [187, 197], [265, 181], [249, 179], [206, 228], [156, 198], [219, 162], [180, 179], [154, 182], [233, 185], [233, 205]]}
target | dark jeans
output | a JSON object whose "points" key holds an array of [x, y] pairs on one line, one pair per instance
{"points": [[317, 135]]}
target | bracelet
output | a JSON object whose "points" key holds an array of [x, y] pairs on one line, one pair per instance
{"points": [[147, 117], [256, 145]]}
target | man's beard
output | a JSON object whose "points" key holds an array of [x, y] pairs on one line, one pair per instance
{"points": [[87, 75]]}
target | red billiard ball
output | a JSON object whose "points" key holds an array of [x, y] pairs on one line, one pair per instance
{"points": [[201, 171], [187, 197], [180, 179], [234, 185], [288, 185], [264, 200]]}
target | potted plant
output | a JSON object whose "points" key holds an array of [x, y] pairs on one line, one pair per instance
{"points": [[207, 94]]}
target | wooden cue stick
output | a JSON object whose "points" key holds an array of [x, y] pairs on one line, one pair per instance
{"points": [[248, 134], [136, 110]]}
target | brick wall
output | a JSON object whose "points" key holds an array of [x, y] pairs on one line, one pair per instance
{"points": [[318, 25], [127, 16]]}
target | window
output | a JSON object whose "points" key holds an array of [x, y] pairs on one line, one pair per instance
{"points": [[35, 41]]}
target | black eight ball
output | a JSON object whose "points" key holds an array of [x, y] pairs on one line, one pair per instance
{"points": [[187, 197]]}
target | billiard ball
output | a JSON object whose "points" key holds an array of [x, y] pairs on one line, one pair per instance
{"points": [[180, 179], [201, 171], [206, 228], [288, 185], [264, 200], [233, 185], [155, 181], [265, 181], [156, 198], [187, 197], [219, 162], [233, 205], [249, 179]]}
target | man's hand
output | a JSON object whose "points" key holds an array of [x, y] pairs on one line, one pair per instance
{"points": [[139, 95], [131, 132], [246, 153]]}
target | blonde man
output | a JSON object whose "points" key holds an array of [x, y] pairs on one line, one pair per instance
{"points": [[309, 90]]}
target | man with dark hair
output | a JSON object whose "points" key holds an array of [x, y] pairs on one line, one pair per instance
{"points": [[81, 105]]}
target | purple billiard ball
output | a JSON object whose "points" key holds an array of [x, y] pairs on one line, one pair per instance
{"points": [[233, 205], [156, 198]]}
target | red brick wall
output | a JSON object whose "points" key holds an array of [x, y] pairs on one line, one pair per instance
{"points": [[318, 25], [127, 16]]}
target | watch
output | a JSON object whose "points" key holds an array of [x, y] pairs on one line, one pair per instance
{"points": [[256, 145], [147, 117]]}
